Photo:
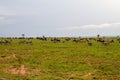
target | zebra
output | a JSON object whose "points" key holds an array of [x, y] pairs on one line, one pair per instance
{"points": [[5, 41], [89, 43], [107, 42], [25, 42]]}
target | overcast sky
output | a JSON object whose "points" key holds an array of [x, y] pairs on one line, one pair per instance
{"points": [[59, 17]]}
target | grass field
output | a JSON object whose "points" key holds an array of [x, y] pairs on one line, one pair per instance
{"points": [[45, 60]]}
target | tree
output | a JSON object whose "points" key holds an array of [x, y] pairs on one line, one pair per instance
{"points": [[23, 35], [98, 36]]}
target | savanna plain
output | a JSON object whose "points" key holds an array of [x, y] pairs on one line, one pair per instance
{"points": [[60, 58]]}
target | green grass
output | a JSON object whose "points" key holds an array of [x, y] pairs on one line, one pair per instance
{"points": [[45, 60]]}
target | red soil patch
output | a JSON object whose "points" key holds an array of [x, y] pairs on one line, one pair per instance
{"points": [[21, 70]]}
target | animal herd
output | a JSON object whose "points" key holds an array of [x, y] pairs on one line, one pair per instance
{"points": [[5, 41], [90, 41]]}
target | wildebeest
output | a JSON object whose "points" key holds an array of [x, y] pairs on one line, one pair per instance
{"points": [[75, 40], [55, 40], [82, 40], [100, 40], [67, 39], [42, 38]]}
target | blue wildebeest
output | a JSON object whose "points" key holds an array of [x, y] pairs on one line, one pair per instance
{"points": [[55, 40]]}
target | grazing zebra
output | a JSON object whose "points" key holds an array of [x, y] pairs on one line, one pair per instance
{"points": [[28, 42], [21, 41], [6, 41], [89, 43], [2, 41], [118, 40], [25, 42], [107, 42]]}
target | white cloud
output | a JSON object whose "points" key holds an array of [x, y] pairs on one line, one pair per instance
{"points": [[5, 20], [92, 26]]}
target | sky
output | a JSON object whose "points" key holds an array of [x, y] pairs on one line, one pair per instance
{"points": [[59, 18]]}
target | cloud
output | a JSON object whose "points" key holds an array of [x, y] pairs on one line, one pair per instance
{"points": [[6, 15], [92, 26], [6, 20]]}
